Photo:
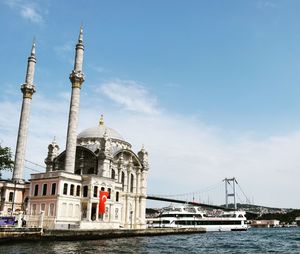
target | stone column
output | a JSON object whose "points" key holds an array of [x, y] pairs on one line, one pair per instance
{"points": [[138, 179], [76, 78], [136, 211], [28, 89], [89, 210]]}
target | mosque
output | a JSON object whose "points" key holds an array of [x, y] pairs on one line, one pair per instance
{"points": [[97, 182]]}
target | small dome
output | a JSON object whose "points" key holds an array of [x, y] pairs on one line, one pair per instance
{"points": [[98, 132]]}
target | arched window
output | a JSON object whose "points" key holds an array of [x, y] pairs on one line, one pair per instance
{"points": [[95, 191], [72, 189], [109, 193], [65, 191], [53, 188], [113, 174], [85, 191], [78, 190], [44, 189], [131, 182], [123, 179], [36, 190], [11, 197]]}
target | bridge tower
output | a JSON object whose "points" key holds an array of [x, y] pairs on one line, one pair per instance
{"points": [[230, 182]]}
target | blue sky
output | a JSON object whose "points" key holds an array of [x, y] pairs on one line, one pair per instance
{"points": [[211, 87]]}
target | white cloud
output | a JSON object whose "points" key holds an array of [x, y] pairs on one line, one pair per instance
{"points": [[266, 4], [27, 10], [185, 154], [131, 95]]}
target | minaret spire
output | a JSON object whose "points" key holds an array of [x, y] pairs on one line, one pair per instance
{"points": [[76, 78], [28, 89], [80, 37]]}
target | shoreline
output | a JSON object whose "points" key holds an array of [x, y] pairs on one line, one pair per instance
{"points": [[34, 234]]}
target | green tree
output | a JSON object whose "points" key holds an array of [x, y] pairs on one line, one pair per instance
{"points": [[6, 162]]}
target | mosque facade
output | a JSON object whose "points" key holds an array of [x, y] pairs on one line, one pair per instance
{"points": [[97, 182]]}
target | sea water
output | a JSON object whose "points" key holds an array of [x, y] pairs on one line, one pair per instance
{"points": [[272, 240]]}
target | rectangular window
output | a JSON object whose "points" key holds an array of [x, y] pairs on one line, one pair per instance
{"points": [[65, 191], [78, 190], [77, 211], [131, 182], [53, 189], [85, 191], [106, 215], [116, 213], [117, 196], [44, 189], [43, 207], [72, 189], [36, 190], [63, 210], [109, 193], [70, 210], [11, 197], [33, 212], [51, 209], [95, 191]]}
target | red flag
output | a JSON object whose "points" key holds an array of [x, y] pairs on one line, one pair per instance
{"points": [[103, 198]]}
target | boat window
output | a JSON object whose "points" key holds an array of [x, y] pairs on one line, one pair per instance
{"points": [[189, 209], [241, 216]]}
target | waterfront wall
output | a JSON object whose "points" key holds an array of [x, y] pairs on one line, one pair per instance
{"points": [[11, 234], [20, 234]]}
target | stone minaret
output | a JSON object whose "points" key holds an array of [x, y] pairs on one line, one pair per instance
{"points": [[76, 78], [27, 89]]}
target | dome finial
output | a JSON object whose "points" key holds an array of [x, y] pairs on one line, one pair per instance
{"points": [[101, 121]]}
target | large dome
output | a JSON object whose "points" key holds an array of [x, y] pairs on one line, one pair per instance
{"points": [[98, 132]]}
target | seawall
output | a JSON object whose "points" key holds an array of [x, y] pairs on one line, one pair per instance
{"points": [[29, 234]]}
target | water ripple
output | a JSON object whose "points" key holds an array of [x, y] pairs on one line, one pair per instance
{"points": [[282, 240]]}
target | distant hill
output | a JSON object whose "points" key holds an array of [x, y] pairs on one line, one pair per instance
{"points": [[288, 217], [285, 215], [258, 208]]}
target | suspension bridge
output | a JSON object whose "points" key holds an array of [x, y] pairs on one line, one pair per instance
{"points": [[232, 190], [231, 187]]}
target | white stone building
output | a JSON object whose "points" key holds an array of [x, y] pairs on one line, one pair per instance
{"points": [[104, 162], [98, 159]]}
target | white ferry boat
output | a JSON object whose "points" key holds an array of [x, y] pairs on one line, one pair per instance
{"points": [[193, 217]]}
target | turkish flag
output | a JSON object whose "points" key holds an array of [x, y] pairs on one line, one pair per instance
{"points": [[103, 198]]}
